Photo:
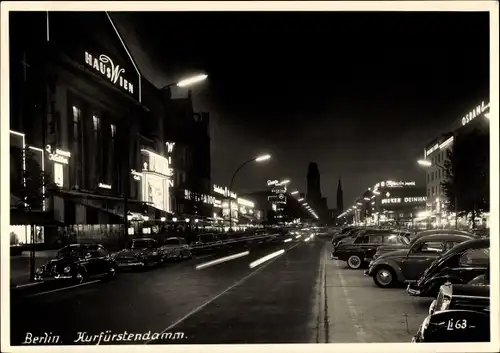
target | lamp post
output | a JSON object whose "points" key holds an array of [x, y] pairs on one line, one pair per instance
{"points": [[426, 164], [256, 159]]}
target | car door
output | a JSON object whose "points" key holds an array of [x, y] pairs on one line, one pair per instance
{"points": [[93, 260], [420, 256], [370, 247], [101, 260]]}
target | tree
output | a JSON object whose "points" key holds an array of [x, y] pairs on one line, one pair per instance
{"points": [[468, 175]]}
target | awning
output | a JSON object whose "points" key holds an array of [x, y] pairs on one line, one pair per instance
{"points": [[40, 218]]}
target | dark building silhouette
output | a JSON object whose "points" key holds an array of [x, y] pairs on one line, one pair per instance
{"points": [[313, 183], [313, 196], [340, 197]]}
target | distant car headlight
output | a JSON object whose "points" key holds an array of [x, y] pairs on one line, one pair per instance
{"points": [[39, 270], [67, 269]]}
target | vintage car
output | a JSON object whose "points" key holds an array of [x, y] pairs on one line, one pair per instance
{"points": [[454, 326], [407, 265], [176, 248], [459, 265], [78, 262], [461, 296], [359, 251], [351, 232], [140, 252], [413, 237]]}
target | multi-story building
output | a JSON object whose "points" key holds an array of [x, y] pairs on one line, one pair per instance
{"points": [[437, 152], [118, 150]]}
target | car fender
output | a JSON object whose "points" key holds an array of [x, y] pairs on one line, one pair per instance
{"points": [[389, 263]]}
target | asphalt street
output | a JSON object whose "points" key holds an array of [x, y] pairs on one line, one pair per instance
{"points": [[300, 296], [225, 303]]}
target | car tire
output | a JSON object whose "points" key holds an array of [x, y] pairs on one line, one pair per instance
{"points": [[354, 262], [384, 277]]}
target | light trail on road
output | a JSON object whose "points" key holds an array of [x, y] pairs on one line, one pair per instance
{"points": [[221, 260], [266, 258]]}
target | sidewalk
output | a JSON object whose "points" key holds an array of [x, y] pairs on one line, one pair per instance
{"points": [[20, 266], [359, 312]]}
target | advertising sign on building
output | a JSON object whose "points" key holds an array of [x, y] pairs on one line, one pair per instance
{"points": [[404, 200]]}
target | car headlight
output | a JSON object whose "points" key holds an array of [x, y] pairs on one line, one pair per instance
{"points": [[39, 270], [67, 269]]}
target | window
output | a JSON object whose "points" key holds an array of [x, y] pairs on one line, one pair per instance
{"points": [[375, 239], [97, 149], [428, 192], [432, 176], [450, 245], [361, 240], [433, 191], [432, 246], [475, 257], [428, 177], [77, 148], [95, 121], [113, 130], [391, 239]]}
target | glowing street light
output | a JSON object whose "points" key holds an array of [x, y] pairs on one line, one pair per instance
{"points": [[301, 199], [294, 192], [263, 158], [257, 159], [191, 80], [424, 162]]}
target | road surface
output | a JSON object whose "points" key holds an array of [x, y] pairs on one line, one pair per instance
{"points": [[299, 296]]}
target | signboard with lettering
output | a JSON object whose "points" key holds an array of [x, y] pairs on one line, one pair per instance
{"points": [[477, 111], [404, 200], [223, 190], [92, 41]]}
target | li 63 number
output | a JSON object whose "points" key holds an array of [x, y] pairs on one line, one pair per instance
{"points": [[456, 325]]}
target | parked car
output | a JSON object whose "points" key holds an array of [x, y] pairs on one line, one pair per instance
{"points": [[454, 326], [140, 252], [351, 232], [176, 248], [459, 265], [413, 237], [461, 296], [78, 262], [359, 251], [407, 265]]}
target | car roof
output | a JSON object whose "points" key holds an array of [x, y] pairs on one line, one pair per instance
{"points": [[442, 231], [444, 237], [471, 244], [148, 239], [170, 238]]}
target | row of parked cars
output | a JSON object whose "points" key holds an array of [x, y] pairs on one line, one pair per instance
{"points": [[78, 262], [449, 265]]}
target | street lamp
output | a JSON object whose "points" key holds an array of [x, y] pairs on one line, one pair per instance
{"points": [[187, 81], [257, 159], [294, 192], [426, 164]]}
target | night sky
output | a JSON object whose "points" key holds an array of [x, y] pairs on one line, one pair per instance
{"points": [[361, 94]]}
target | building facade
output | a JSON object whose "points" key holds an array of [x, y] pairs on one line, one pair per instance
{"points": [[437, 153], [117, 151]]}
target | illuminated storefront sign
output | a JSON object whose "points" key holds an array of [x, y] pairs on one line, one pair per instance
{"points": [[58, 156], [104, 186], [396, 184], [156, 180], [224, 191], [208, 199], [106, 67], [246, 203], [478, 110], [399, 200], [272, 182]]}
